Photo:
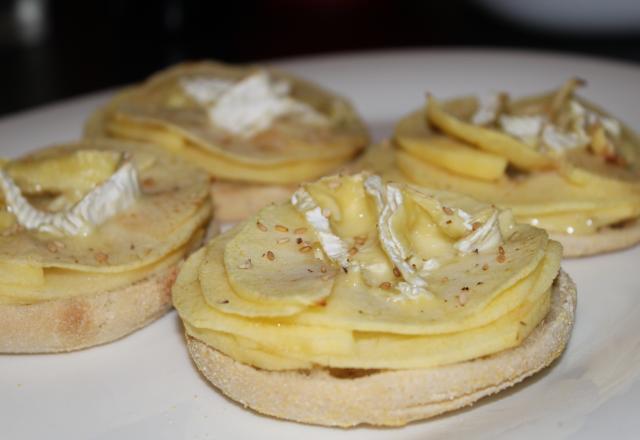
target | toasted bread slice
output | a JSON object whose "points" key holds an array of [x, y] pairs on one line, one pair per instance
{"points": [[389, 397], [85, 320], [608, 239]]}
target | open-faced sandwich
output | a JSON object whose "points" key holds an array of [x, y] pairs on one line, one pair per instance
{"points": [[361, 302], [556, 160], [91, 235], [258, 132]]}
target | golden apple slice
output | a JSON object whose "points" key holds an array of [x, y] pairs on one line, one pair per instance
{"points": [[491, 140], [20, 273], [455, 156], [76, 172], [218, 293], [273, 259]]}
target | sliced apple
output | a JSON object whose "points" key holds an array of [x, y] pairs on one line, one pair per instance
{"points": [[273, 259], [455, 156], [491, 140], [491, 292], [272, 334], [20, 273], [78, 171], [152, 134], [218, 293]]}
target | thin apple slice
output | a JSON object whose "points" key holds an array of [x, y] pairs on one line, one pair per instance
{"points": [[455, 156], [274, 259], [518, 153]]}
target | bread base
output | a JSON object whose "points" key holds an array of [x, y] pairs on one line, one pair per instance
{"points": [[605, 240], [389, 398], [85, 320], [236, 201]]}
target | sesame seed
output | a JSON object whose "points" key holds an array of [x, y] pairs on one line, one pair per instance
{"points": [[485, 267], [261, 226], [462, 299], [323, 269], [101, 257], [246, 265], [283, 240], [270, 256], [353, 251], [300, 231], [360, 240], [396, 272], [305, 249], [281, 228], [326, 277], [447, 210], [475, 226], [501, 258], [326, 212], [386, 285]]}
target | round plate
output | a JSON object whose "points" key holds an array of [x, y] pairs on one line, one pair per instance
{"points": [[145, 386]]}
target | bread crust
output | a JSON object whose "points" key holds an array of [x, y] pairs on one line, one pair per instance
{"points": [[607, 239], [85, 320], [394, 397], [236, 201]]}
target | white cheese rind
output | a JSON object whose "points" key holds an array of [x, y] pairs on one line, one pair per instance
{"points": [[484, 238], [205, 90], [539, 131], [586, 117], [525, 128], [250, 105], [331, 244], [114, 195], [560, 142], [488, 110], [388, 200]]}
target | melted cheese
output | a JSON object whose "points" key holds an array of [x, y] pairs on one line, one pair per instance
{"points": [[388, 200]]}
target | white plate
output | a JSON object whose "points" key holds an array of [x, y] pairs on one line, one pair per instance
{"points": [[144, 386]]}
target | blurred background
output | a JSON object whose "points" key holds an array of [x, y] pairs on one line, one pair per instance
{"points": [[54, 49]]}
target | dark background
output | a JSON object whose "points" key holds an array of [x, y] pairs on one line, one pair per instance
{"points": [[56, 49]]}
